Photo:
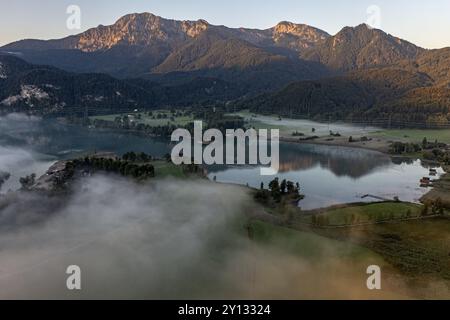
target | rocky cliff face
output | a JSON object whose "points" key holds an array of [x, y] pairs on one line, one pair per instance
{"points": [[139, 30], [138, 45], [297, 36], [146, 29]]}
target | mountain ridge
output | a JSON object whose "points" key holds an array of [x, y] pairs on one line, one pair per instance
{"points": [[143, 28], [361, 47], [147, 42], [352, 73], [137, 45]]}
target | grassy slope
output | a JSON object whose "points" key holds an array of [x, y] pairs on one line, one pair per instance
{"points": [[417, 249], [420, 248], [307, 244], [337, 268]]}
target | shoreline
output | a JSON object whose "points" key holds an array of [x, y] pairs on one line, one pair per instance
{"points": [[377, 144], [381, 146], [334, 143]]}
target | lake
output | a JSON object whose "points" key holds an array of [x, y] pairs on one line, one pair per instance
{"points": [[331, 175], [30, 145], [328, 175]]}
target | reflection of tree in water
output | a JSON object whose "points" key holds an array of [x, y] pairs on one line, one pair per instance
{"points": [[342, 161]]}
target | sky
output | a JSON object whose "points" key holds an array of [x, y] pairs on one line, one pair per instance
{"points": [[425, 23]]}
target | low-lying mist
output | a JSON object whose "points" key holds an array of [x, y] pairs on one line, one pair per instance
{"points": [[19, 135], [130, 240], [165, 239]]}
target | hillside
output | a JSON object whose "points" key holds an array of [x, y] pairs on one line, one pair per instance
{"points": [[47, 90], [238, 61], [384, 96]]}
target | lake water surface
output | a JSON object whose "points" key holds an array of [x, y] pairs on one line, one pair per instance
{"points": [[328, 175]]}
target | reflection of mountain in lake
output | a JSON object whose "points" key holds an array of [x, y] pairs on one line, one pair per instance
{"points": [[342, 161]]}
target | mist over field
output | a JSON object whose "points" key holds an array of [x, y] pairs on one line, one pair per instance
{"points": [[168, 239], [129, 240]]}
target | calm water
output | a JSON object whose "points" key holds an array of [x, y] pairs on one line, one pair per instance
{"points": [[60, 140], [335, 175], [328, 175], [30, 145]]}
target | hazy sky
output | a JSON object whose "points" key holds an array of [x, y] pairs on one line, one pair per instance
{"points": [[425, 23]]}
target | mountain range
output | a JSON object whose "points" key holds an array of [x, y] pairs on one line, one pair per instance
{"points": [[144, 44], [287, 69], [46, 90]]}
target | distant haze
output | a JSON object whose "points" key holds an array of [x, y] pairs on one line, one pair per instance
{"points": [[423, 23]]}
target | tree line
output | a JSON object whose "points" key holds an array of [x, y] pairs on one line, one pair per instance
{"points": [[277, 190], [127, 167]]}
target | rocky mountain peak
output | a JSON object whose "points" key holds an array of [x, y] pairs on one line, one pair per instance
{"points": [[297, 36], [139, 29], [297, 29], [194, 28]]}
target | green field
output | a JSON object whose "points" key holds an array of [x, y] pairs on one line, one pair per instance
{"points": [[308, 244], [415, 135], [167, 169], [417, 251], [153, 121], [318, 266], [405, 135], [418, 248], [366, 213]]}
